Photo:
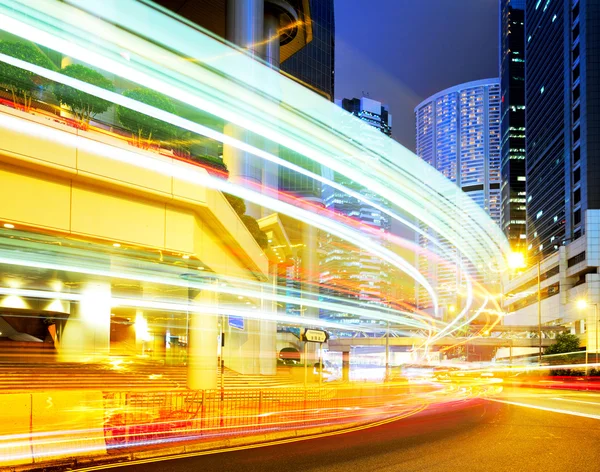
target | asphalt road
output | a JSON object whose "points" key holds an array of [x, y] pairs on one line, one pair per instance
{"points": [[479, 435]]}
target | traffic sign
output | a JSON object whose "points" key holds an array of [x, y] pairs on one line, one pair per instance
{"points": [[314, 336]]}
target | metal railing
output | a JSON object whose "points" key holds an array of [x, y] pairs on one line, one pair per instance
{"points": [[137, 419]]}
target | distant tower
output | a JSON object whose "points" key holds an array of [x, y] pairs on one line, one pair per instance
{"points": [[458, 133], [346, 270], [512, 89]]}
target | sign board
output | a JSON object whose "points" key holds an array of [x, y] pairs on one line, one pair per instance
{"points": [[236, 322], [314, 336]]}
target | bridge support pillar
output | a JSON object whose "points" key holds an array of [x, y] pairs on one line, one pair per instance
{"points": [[87, 331], [203, 343]]}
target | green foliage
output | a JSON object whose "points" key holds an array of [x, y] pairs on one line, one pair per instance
{"points": [[257, 233], [83, 105], [565, 342], [237, 203], [210, 161], [19, 81], [145, 127]]}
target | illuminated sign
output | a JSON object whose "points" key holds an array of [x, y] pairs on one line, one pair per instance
{"points": [[236, 322], [314, 336]]}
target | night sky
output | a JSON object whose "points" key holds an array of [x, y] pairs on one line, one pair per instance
{"points": [[402, 51]]}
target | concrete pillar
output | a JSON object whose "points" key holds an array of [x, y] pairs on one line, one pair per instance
{"points": [[142, 334], [310, 268], [271, 38], [346, 366], [268, 331], [245, 20], [245, 27], [203, 342], [87, 331]]}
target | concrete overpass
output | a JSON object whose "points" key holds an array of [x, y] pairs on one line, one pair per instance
{"points": [[68, 205], [499, 336]]}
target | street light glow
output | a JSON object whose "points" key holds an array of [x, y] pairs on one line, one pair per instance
{"points": [[516, 260]]}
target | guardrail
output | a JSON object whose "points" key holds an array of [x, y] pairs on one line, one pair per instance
{"points": [[136, 419]]}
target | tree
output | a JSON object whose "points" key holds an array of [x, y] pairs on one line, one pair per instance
{"points": [[565, 342], [237, 203], [255, 231], [83, 105], [19, 81], [146, 128]]}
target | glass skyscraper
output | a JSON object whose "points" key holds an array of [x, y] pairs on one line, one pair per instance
{"points": [[370, 111], [562, 92], [458, 133], [314, 64], [512, 84], [346, 270]]}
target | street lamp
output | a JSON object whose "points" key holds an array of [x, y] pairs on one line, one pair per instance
{"points": [[582, 305], [516, 260]]}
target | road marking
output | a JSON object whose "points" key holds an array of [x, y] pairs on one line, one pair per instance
{"points": [[253, 446], [576, 401], [544, 408]]}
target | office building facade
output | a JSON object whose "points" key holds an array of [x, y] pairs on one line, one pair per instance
{"points": [[458, 133], [512, 87], [314, 64], [562, 92], [346, 270]]}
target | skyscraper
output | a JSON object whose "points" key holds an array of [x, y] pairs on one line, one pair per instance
{"points": [[370, 111], [512, 85], [346, 270], [562, 93], [458, 133], [314, 64]]}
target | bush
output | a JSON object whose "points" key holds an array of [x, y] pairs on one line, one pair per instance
{"points": [[237, 203], [565, 342], [210, 161], [144, 127], [257, 233], [83, 105], [19, 81]]}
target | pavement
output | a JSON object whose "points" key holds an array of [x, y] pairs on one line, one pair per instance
{"points": [[517, 430]]}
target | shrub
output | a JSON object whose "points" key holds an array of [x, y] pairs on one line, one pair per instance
{"points": [[565, 342], [83, 105], [257, 233], [19, 81], [237, 203], [147, 128]]}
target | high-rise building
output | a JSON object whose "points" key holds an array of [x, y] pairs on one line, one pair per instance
{"points": [[371, 111], [562, 93], [314, 64], [512, 88], [458, 133], [348, 271]]}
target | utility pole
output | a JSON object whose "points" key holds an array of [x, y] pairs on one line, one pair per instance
{"points": [[539, 308], [387, 353]]}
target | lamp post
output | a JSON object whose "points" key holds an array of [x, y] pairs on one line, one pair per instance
{"points": [[539, 308], [582, 305]]}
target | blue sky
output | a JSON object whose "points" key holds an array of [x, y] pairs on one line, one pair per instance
{"points": [[402, 51]]}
